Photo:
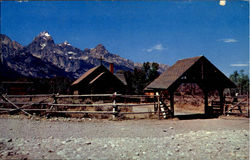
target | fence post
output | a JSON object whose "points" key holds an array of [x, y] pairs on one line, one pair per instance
{"points": [[54, 100], [114, 107], [158, 104], [248, 104]]}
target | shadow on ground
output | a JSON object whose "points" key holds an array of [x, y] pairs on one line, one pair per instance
{"points": [[195, 116]]}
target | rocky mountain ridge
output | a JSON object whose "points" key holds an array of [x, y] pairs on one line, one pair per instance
{"points": [[44, 59]]}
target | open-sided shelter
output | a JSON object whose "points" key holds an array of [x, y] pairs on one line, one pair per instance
{"points": [[197, 70], [98, 80]]}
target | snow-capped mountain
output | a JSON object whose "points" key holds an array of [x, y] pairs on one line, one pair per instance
{"points": [[43, 58], [17, 61]]}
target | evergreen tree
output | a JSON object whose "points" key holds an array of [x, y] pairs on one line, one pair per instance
{"points": [[141, 77], [241, 80]]}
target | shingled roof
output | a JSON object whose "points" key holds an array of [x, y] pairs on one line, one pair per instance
{"points": [[196, 69], [122, 78], [98, 80], [85, 75], [94, 73]]}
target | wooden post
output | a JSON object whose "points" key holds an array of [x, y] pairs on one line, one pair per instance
{"points": [[158, 105], [54, 101], [248, 104], [202, 70], [115, 107], [172, 103], [155, 103], [206, 102], [221, 100], [114, 110]]}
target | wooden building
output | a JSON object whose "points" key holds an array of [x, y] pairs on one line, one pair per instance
{"points": [[98, 80], [197, 70], [15, 87]]}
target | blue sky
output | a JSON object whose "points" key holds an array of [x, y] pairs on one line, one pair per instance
{"points": [[161, 31]]}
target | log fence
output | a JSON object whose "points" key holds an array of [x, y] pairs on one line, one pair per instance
{"points": [[229, 107], [28, 104], [53, 103]]}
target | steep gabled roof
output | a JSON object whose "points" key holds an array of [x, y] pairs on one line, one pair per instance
{"points": [[96, 78], [122, 78], [86, 74], [192, 68], [93, 74], [172, 73]]}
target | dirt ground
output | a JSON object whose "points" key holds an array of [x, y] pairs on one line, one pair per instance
{"points": [[60, 138]]}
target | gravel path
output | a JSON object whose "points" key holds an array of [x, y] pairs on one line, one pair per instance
{"points": [[132, 139]]}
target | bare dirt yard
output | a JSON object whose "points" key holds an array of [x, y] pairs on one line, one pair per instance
{"points": [[55, 138]]}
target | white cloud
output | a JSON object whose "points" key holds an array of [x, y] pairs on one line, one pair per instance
{"points": [[239, 65], [20, 1], [157, 47], [228, 40]]}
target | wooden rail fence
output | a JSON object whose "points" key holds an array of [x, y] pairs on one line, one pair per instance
{"points": [[29, 103], [55, 103]]}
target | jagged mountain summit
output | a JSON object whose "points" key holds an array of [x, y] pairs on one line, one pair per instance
{"points": [[43, 58], [17, 61]]}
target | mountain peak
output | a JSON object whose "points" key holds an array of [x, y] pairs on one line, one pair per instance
{"points": [[100, 46], [44, 34], [41, 41], [7, 41], [66, 43], [101, 49]]}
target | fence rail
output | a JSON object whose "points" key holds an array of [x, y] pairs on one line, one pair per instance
{"points": [[80, 95], [56, 103], [84, 105], [25, 96], [53, 104]]}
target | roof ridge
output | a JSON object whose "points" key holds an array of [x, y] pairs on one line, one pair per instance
{"points": [[85, 75], [176, 71], [191, 58]]}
